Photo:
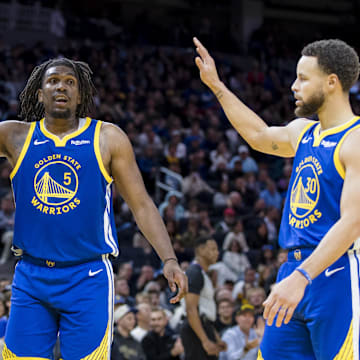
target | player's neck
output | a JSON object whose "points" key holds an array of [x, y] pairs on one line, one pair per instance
{"points": [[60, 126], [335, 112]]}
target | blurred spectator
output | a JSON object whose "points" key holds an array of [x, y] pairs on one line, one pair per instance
{"points": [[172, 202], [161, 343], [271, 196], [242, 340], [236, 261], [143, 321], [146, 275], [225, 318], [124, 346], [242, 286], [122, 292], [237, 234], [194, 186], [249, 165], [221, 197]]}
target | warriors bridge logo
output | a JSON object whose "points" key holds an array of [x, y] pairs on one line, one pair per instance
{"points": [[305, 193], [56, 184]]}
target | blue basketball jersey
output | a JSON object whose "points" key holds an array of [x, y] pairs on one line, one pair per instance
{"points": [[312, 204], [63, 196]]}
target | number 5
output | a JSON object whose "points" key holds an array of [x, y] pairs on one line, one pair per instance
{"points": [[67, 178]]}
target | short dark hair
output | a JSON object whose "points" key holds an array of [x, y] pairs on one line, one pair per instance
{"points": [[31, 109], [335, 56], [202, 240]]}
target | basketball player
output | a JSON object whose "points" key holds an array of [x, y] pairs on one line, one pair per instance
{"points": [[315, 305], [63, 166]]}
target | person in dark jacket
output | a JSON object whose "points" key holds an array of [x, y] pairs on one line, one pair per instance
{"points": [[161, 343]]}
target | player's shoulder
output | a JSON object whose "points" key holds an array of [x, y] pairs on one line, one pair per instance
{"points": [[15, 125], [299, 124], [111, 130], [114, 140]]}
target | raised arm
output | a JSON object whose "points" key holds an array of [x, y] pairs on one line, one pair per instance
{"points": [[287, 294], [274, 140], [119, 157]]}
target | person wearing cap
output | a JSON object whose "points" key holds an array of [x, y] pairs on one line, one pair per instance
{"points": [[248, 164], [242, 340], [124, 346]]}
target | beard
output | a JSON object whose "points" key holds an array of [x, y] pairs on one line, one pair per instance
{"points": [[58, 114], [312, 106]]}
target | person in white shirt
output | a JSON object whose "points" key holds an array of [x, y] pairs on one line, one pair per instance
{"points": [[143, 322], [242, 340]]}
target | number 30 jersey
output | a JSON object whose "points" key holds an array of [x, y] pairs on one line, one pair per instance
{"points": [[312, 204], [63, 196]]}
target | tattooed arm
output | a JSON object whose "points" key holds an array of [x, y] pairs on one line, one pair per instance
{"points": [[275, 140]]}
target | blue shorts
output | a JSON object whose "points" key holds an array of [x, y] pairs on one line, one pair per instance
{"points": [[74, 303], [325, 324]]}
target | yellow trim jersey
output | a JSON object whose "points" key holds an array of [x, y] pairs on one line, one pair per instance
{"points": [[312, 203], [63, 196]]}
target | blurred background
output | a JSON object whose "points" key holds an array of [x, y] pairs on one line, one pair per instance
{"points": [[199, 171]]}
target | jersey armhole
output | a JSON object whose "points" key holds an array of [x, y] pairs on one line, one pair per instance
{"points": [[23, 150], [338, 165], [303, 131], [98, 154]]}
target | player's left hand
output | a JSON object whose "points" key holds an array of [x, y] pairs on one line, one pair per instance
{"points": [[284, 298], [176, 279]]}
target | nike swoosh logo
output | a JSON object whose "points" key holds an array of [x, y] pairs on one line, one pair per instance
{"points": [[37, 142], [93, 273], [304, 141], [329, 272]]}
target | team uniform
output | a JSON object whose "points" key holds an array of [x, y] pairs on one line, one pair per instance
{"points": [[65, 232], [325, 324]]}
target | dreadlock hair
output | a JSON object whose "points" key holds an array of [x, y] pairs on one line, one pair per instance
{"points": [[31, 109]]}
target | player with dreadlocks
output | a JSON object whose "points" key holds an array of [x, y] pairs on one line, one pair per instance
{"points": [[63, 166]]}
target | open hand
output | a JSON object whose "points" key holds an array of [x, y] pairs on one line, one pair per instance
{"points": [[206, 65], [284, 298]]}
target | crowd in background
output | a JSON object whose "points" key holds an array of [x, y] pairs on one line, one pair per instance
{"points": [[216, 184]]}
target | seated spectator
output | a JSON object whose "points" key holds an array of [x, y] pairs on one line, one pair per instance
{"points": [[143, 321], [124, 346], [225, 318], [271, 196], [172, 201], [237, 234], [224, 225], [235, 260], [146, 275], [249, 165], [256, 296], [218, 156], [242, 286], [242, 340], [271, 219], [161, 342], [122, 292], [194, 186]]}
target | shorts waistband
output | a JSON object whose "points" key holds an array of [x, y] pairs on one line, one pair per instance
{"points": [[299, 254], [57, 264]]}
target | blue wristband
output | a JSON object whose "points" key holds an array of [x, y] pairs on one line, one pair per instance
{"points": [[305, 274]]}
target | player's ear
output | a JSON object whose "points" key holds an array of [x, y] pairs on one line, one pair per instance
{"points": [[333, 81], [40, 96]]}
